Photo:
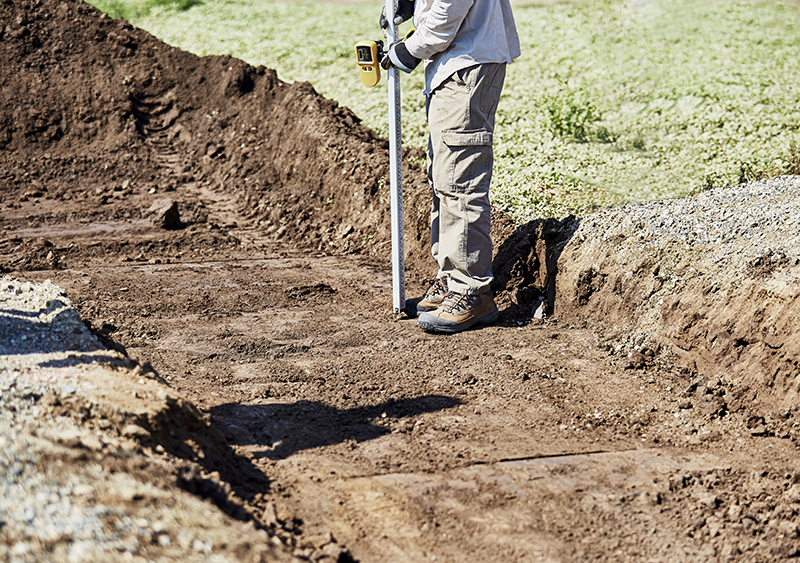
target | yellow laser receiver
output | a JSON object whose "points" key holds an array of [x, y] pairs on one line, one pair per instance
{"points": [[368, 57]]}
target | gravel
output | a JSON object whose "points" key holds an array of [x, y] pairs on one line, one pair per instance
{"points": [[731, 226], [39, 328], [39, 318], [58, 499]]}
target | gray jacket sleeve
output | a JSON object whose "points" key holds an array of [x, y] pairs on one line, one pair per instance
{"points": [[437, 27]]}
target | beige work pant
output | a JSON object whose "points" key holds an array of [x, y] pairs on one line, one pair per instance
{"points": [[461, 122]]}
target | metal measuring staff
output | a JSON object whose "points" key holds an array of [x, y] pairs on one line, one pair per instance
{"points": [[396, 169], [368, 56]]}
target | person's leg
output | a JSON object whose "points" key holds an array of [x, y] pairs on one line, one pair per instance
{"points": [[437, 289], [433, 296], [461, 115]]}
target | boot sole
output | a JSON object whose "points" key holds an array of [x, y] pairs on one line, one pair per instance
{"points": [[486, 319]]}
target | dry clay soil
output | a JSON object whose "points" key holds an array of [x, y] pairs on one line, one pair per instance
{"points": [[266, 302]]}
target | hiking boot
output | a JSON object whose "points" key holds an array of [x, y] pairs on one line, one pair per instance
{"points": [[429, 301], [459, 312]]}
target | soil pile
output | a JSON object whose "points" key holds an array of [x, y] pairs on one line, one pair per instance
{"points": [[94, 105], [713, 279], [101, 460]]}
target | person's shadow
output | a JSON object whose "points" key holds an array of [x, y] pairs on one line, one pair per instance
{"points": [[286, 428]]}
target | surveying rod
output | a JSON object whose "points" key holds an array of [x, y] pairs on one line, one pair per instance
{"points": [[396, 169]]}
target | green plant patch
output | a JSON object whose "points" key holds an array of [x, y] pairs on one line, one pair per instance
{"points": [[132, 9], [611, 101]]}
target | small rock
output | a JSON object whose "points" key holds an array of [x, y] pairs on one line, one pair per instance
{"points": [[331, 552], [788, 529], [729, 550], [346, 231], [134, 431], [710, 501], [693, 387], [735, 512], [541, 309], [637, 360], [21, 548], [714, 526], [129, 493], [269, 517], [792, 494], [91, 441], [321, 540], [164, 213], [82, 490]]}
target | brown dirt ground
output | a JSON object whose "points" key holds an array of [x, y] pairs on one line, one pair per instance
{"points": [[268, 305]]}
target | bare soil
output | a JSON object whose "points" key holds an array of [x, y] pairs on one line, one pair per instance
{"points": [[266, 302]]}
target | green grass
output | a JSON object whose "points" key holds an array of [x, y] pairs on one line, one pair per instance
{"points": [[132, 9], [611, 101]]}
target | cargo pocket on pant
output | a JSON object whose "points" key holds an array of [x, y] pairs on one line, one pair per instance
{"points": [[470, 160]]}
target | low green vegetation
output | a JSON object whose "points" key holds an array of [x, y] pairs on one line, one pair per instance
{"points": [[132, 9], [611, 101]]}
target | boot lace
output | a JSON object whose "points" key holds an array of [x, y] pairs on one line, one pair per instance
{"points": [[437, 287], [456, 301]]}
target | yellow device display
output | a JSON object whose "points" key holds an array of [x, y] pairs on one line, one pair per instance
{"points": [[369, 67]]}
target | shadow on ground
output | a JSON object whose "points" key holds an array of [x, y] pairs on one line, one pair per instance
{"points": [[290, 428]]}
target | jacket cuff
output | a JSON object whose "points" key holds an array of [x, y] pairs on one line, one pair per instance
{"points": [[402, 59]]}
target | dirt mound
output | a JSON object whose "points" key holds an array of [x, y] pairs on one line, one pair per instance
{"points": [[711, 279], [110, 111], [88, 419]]}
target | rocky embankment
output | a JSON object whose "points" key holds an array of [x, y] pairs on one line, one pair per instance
{"points": [[98, 457], [713, 279]]}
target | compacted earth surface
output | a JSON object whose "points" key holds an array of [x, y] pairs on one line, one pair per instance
{"points": [[214, 372]]}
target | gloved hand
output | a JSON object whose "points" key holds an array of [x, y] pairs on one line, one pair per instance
{"points": [[398, 55], [405, 9]]}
